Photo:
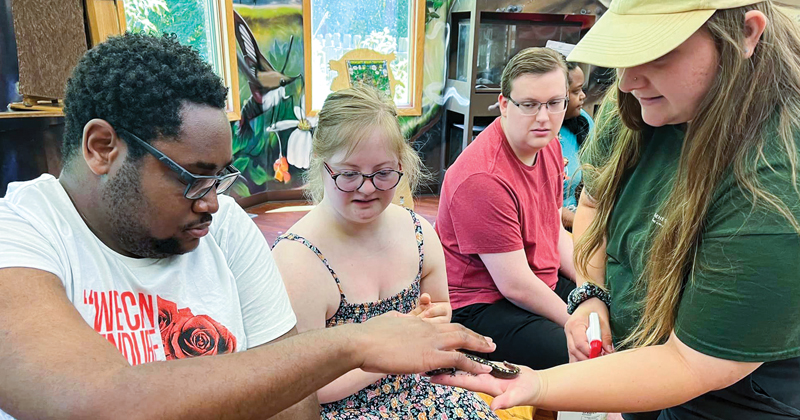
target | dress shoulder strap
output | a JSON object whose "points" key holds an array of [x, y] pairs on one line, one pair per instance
{"points": [[297, 238], [420, 241]]}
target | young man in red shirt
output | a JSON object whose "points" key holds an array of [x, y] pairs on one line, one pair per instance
{"points": [[499, 219]]}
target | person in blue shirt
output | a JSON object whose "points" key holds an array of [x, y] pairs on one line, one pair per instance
{"points": [[577, 127]]}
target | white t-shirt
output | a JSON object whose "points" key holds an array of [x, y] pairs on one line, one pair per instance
{"points": [[228, 289]]}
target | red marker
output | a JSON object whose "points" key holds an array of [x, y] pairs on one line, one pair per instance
{"points": [[594, 336], [596, 344]]}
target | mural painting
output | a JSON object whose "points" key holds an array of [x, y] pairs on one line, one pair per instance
{"points": [[272, 140]]}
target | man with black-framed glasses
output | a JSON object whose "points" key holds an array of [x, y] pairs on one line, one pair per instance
{"points": [[133, 256], [197, 186], [509, 260]]}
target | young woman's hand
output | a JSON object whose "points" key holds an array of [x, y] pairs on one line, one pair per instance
{"points": [[429, 311], [578, 323], [521, 390]]}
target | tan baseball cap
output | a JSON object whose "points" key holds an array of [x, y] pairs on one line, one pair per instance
{"points": [[634, 32]]}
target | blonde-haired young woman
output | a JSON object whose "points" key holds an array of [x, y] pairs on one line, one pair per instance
{"points": [[378, 257], [689, 220]]}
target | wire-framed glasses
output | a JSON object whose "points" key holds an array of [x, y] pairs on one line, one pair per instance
{"points": [[197, 186], [349, 181], [554, 106]]}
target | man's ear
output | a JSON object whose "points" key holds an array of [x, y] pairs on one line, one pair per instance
{"points": [[101, 146], [503, 104]]}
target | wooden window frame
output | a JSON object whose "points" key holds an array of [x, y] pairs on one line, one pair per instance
{"points": [[416, 50], [107, 17]]}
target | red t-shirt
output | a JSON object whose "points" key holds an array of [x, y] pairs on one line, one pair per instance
{"points": [[492, 203]]}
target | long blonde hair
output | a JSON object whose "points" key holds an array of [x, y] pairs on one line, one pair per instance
{"points": [[346, 118], [725, 135]]}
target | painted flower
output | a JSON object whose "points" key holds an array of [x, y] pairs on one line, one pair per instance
{"points": [[298, 148], [281, 167]]}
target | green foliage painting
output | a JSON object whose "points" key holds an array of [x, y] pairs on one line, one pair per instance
{"points": [[271, 142], [370, 72], [186, 18], [263, 140]]}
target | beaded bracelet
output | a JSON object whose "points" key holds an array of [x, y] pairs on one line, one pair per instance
{"points": [[585, 292]]}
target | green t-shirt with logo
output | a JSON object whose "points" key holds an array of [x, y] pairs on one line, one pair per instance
{"points": [[741, 300]]}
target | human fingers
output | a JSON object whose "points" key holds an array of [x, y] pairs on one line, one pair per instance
{"points": [[436, 313], [484, 383], [464, 364], [456, 337], [570, 346], [577, 342], [522, 390], [605, 331], [424, 304], [424, 299], [514, 397]]}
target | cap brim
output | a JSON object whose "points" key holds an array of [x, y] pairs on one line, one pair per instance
{"points": [[622, 41]]}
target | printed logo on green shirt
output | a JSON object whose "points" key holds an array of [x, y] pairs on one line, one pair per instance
{"points": [[658, 219]]}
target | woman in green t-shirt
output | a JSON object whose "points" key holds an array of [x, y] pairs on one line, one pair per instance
{"points": [[689, 246]]}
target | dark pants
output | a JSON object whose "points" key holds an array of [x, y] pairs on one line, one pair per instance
{"points": [[522, 337]]}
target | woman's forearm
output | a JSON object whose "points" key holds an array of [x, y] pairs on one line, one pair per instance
{"points": [[596, 267], [644, 379]]}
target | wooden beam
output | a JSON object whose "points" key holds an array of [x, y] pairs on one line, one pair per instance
{"points": [[104, 18]]}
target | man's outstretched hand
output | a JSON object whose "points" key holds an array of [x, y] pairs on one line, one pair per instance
{"points": [[396, 343]]}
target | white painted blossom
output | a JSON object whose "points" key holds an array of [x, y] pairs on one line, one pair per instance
{"points": [[298, 148]]}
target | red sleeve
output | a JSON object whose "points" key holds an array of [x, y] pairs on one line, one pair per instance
{"points": [[484, 211]]}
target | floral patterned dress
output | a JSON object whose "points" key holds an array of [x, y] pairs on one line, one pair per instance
{"points": [[395, 396]]}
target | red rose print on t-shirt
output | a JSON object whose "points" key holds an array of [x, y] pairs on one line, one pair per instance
{"points": [[187, 335], [169, 314]]}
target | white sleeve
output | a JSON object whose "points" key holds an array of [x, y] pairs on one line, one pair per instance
{"points": [[266, 310], [21, 245]]}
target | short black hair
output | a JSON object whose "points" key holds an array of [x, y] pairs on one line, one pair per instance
{"points": [[571, 65], [137, 82]]}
